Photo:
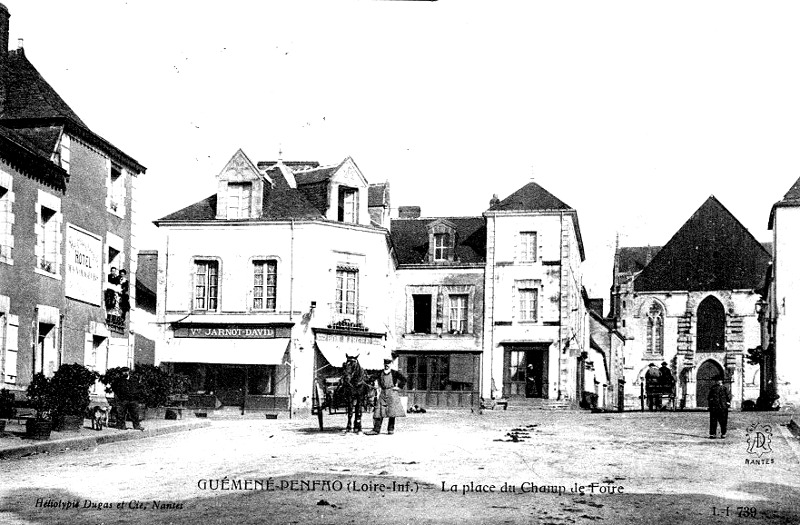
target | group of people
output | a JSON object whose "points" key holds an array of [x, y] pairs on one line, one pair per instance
{"points": [[118, 298], [658, 382]]}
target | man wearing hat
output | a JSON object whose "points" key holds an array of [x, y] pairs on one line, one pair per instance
{"points": [[651, 380], [666, 380], [719, 400], [388, 383]]}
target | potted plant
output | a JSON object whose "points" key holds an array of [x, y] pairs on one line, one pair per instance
{"points": [[70, 387], [6, 407], [40, 395]]}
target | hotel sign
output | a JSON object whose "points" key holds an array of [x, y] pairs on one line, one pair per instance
{"points": [[350, 339], [232, 331], [83, 271]]}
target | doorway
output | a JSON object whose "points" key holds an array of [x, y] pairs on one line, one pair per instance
{"points": [[706, 375], [526, 371]]}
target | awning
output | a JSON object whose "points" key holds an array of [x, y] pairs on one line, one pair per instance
{"points": [[369, 356], [228, 351]]}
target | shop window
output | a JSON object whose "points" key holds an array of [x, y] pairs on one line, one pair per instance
{"points": [[528, 304], [348, 205], [238, 199], [261, 380], [454, 372], [206, 285], [264, 284], [458, 314], [422, 313]]}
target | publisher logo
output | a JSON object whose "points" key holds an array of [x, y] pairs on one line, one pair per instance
{"points": [[759, 438]]}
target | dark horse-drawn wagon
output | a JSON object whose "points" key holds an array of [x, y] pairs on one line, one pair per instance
{"points": [[350, 393]]}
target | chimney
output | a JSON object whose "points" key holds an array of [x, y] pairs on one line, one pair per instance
{"points": [[494, 201], [4, 16], [409, 212]]}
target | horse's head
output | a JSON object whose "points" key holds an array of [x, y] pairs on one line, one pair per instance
{"points": [[352, 368]]}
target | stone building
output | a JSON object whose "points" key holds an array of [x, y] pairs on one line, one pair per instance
{"points": [[67, 206], [536, 324], [692, 304], [781, 328], [267, 284], [440, 302]]}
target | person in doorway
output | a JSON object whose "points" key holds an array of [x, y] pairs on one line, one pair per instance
{"points": [[651, 381], [388, 383], [719, 401]]}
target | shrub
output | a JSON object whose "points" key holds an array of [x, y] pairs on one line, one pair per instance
{"points": [[152, 385], [40, 395], [70, 389]]}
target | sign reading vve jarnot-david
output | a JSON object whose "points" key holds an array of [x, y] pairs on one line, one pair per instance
{"points": [[83, 271]]}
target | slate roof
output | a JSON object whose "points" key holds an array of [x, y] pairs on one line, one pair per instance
{"points": [[32, 103], [410, 239], [316, 175], [791, 199], [711, 251], [23, 155], [378, 194], [530, 197], [280, 202], [633, 259]]}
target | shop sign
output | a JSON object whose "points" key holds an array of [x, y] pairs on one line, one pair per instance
{"points": [[347, 338], [83, 271], [232, 332]]}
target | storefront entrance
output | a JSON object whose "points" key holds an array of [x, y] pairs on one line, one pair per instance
{"points": [[526, 371]]}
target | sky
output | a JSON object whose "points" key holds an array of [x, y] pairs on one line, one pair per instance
{"points": [[633, 113]]}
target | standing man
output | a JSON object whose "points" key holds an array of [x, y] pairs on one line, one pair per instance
{"points": [[127, 394], [389, 382], [651, 381], [667, 382], [719, 400]]}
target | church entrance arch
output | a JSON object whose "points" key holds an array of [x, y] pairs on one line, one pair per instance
{"points": [[708, 372]]}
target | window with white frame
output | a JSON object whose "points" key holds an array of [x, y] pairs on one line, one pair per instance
{"points": [[264, 284], [238, 200], [116, 193], [527, 241], [48, 239], [346, 290], [6, 217], [528, 304], [442, 246], [348, 204], [206, 285], [458, 314]]}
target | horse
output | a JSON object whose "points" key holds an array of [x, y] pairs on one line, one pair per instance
{"points": [[353, 389]]}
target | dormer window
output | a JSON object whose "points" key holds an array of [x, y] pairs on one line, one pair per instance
{"points": [[441, 241], [64, 152], [442, 247], [239, 194], [348, 204]]}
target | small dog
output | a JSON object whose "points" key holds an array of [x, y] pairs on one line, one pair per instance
{"points": [[99, 417]]}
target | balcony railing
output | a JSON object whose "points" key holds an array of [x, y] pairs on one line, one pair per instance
{"points": [[353, 321]]}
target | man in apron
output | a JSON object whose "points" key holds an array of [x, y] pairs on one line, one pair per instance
{"points": [[389, 382]]}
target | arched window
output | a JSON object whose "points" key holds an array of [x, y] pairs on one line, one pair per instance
{"points": [[655, 329], [710, 326]]}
